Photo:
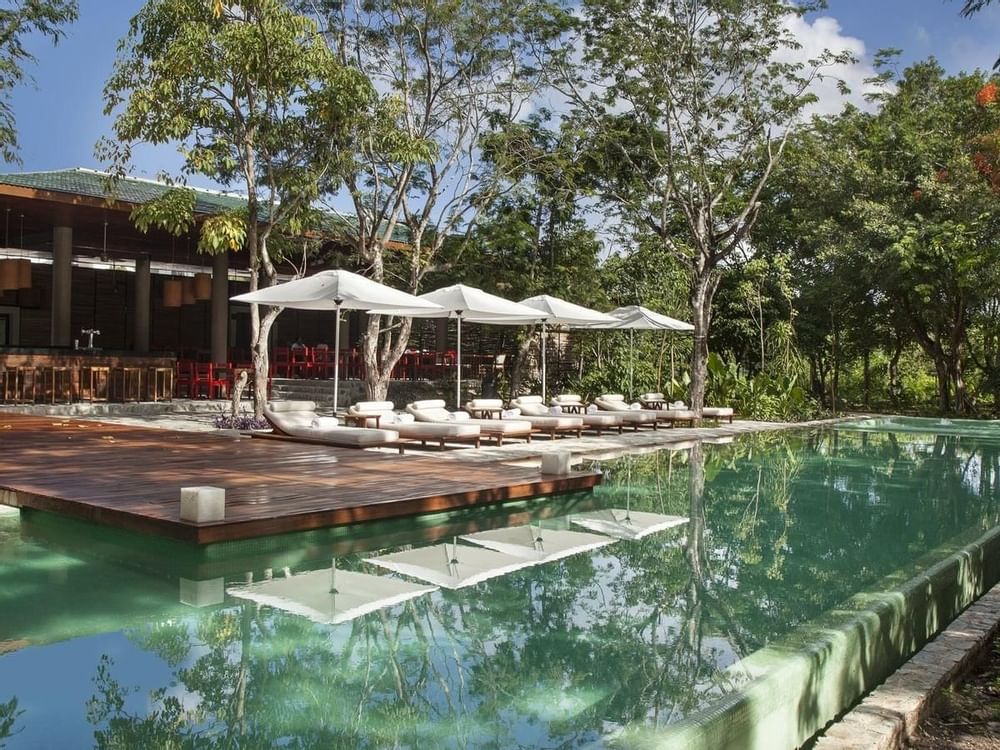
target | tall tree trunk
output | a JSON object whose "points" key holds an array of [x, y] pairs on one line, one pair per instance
{"points": [[895, 386], [703, 287], [867, 376], [944, 385], [261, 361]]}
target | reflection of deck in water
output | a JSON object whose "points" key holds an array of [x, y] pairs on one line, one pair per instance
{"points": [[130, 477]]}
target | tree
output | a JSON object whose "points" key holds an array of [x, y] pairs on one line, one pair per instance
{"points": [[452, 74], [20, 18], [691, 103], [253, 98], [930, 207]]}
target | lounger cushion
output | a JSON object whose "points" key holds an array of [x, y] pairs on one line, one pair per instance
{"points": [[555, 423], [371, 407], [527, 400], [531, 406], [717, 411], [279, 407], [566, 398], [678, 414], [436, 430], [485, 403], [433, 411], [292, 419]]}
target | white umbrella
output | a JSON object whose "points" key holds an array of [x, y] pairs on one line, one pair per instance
{"points": [[452, 566], [473, 305], [335, 290], [637, 317], [330, 596], [624, 523], [560, 312], [536, 543]]}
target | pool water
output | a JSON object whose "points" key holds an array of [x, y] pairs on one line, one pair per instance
{"points": [[113, 640]]}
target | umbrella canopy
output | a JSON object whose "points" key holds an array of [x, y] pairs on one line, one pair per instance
{"points": [[452, 566], [473, 305], [330, 596], [637, 317], [537, 544], [334, 290], [622, 523], [559, 312]]}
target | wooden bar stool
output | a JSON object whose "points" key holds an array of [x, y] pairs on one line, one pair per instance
{"points": [[26, 384], [95, 383], [160, 383], [126, 384], [58, 385]]}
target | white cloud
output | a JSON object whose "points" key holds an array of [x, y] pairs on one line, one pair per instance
{"points": [[822, 34], [921, 35]]}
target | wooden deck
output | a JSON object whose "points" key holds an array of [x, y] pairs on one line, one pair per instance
{"points": [[130, 477]]}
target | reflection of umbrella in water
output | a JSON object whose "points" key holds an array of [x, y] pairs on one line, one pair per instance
{"points": [[536, 543], [452, 566], [330, 596], [623, 523]]}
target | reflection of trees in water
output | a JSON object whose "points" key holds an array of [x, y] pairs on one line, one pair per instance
{"points": [[9, 713], [640, 632]]}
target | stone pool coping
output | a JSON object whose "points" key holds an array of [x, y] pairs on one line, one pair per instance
{"points": [[797, 685], [891, 714]]}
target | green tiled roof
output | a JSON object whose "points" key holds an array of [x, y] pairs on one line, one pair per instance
{"points": [[94, 184]]}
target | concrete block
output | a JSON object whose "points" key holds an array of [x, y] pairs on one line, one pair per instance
{"points": [[557, 462], [203, 504], [202, 593]]}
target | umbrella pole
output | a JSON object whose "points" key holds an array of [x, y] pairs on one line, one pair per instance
{"points": [[336, 359], [458, 365], [631, 364], [543, 362]]}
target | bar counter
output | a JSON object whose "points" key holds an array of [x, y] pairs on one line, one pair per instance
{"points": [[45, 375]]}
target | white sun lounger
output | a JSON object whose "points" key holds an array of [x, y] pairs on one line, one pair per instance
{"points": [[681, 412], [615, 403], [533, 406], [549, 423], [434, 411], [298, 419], [409, 429]]}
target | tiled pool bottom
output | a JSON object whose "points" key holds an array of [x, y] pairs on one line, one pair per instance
{"points": [[610, 645]]}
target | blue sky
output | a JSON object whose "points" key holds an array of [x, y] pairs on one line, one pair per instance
{"points": [[61, 118]]}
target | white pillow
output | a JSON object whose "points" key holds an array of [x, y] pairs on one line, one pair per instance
{"points": [[510, 413], [592, 409], [324, 423], [555, 411], [635, 406], [404, 419], [678, 405], [458, 416]]}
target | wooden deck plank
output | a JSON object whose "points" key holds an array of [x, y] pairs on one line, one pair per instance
{"points": [[131, 477]]}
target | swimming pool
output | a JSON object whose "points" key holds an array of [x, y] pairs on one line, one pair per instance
{"points": [[645, 605]]}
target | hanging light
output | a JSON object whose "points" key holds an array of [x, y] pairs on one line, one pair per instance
{"points": [[173, 293], [187, 291], [9, 274], [23, 273], [202, 286]]}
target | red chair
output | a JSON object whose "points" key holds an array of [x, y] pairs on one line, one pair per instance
{"points": [[184, 379], [300, 365], [322, 361], [282, 362], [210, 380]]}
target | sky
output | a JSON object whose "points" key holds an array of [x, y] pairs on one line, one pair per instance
{"points": [[61, 117]]}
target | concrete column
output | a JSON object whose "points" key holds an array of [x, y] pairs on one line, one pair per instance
{"points": [[220, 307], [62, 285], [142, 302]]}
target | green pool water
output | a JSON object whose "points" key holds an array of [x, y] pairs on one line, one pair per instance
{"points": [[118, 641]]}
